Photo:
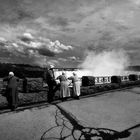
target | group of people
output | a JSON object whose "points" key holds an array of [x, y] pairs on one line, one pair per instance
{"points": [[63, 86], [65, 91]]}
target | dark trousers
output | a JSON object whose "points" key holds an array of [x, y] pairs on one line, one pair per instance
{"points": [[50, 94], [12, 97], [52, 90]]}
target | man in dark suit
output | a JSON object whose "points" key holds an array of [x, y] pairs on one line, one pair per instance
{"points": [[51, 83], [11, 90]]}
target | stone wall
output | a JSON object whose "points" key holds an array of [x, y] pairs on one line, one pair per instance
{"points": [[26, 85], [32, 84]]}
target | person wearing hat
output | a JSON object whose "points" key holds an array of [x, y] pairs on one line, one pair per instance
{"points": [[12, 90], [51, 83], [76, 85]]}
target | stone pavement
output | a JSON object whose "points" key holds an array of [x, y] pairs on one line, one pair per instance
{"points": [[76, 119]]}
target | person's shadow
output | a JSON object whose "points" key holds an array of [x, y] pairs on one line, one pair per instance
{"points": [[69, 128]]}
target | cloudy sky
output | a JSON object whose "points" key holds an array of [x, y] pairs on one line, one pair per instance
{"points": [[59, 32]]}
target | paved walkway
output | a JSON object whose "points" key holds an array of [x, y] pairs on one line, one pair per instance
{"points": [[76, 119]]}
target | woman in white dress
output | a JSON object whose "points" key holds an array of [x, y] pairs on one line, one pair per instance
{"points": [[76, 85], [64, 89]]}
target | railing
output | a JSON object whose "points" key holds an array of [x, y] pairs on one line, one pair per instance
{"points": [[124, 78], [107, 79], [98, 80], [102, 80]]}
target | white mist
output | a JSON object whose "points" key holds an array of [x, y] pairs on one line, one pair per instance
{"points": [[106, 63]]}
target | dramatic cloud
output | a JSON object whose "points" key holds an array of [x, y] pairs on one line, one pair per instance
{"points": [[31, 48], [46, 52], [12, 12], [95, 25], [58, 21]]}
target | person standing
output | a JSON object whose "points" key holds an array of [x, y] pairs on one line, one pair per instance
{"points": [[51, 83], [64, 89], [12, 90], [76, 85]]}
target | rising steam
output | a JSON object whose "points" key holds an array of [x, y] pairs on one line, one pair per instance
{"points": [[106, 63]]}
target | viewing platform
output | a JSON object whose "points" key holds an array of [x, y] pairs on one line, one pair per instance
{"points": [[113, 111]]}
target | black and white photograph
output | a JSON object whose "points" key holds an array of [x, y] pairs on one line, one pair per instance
{"points": [[69, 69]]}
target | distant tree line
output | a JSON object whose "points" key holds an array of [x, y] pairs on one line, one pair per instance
{"points": [[21, 70], [26, 70]]}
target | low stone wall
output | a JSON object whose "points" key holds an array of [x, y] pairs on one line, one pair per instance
{"points": [[1, 83], [32, 84], [26, 85], [91, 80], [20, 85], [40, 96]]}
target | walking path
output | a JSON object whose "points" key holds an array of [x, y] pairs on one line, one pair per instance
{"points": [[71, 119]]}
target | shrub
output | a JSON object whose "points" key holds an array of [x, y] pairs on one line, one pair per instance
{"points": [[88, 81], [42, 95], [133, 77], [116, 79]]}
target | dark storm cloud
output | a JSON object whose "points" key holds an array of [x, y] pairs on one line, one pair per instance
{"points": [[104, 42], [59, 21], [12, 55], [132, 46], [25, 39], [2, 44], [20, 60], [12, 12], [97, 48], [31, 49], [107, 36], [24, 15], [4, 53], [46, 52], [91, 24]]}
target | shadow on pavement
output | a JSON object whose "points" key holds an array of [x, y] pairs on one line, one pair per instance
{"points": [[69, 128]]}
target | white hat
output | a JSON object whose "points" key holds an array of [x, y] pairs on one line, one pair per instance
{"points": [[51, 66], [11, 73]]}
